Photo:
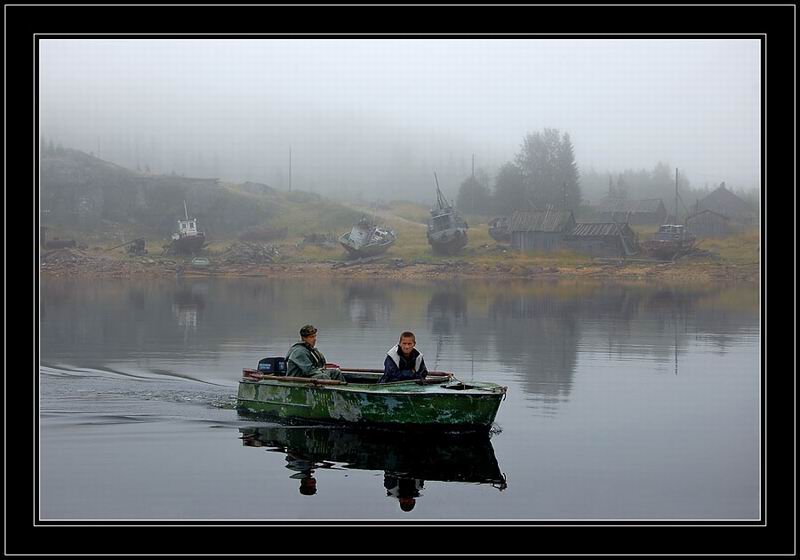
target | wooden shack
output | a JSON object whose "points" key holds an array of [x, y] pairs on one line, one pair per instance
{"points": [[707, 223], [724, 202], [602, 239], [540, 230], [650, 211]]}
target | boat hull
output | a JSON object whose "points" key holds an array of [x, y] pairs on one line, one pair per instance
{"points": [[188, 245], [500, 234], [448, 241], [406, 403], [363, 251], [667, 250], [499, 230]]}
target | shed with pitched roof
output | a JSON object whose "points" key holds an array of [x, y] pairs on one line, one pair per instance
{"points": [[540, 230], [602, 239]]}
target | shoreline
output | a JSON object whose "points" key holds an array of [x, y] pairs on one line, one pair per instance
{"points": [[72, 263]]}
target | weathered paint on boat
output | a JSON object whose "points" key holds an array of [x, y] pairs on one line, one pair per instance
{"points": [[446, 404], [367, 239], [447, 228]]}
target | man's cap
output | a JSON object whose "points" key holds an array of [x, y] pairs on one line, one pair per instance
{"points": [[407, 504], [308, 330]]}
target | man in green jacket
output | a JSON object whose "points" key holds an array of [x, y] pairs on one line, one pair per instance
{"points": [[304, 360]]}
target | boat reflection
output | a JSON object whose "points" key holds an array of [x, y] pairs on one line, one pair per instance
{"points": [[407, 459]]}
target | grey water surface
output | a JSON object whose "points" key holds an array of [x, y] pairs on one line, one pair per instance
{"points": [[624, 402]]}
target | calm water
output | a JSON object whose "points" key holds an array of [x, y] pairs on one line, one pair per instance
{"points": [[623, 403]]}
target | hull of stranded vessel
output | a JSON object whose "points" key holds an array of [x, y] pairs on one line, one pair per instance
{"points": [[367, 250], [499, 231], [440, 402], [448, 241], [187, 245], [669, 242], [667, 249]]}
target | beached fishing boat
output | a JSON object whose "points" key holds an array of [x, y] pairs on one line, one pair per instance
{"points": [[672, 240], [187, 240], [428, 455], [367, 239], [440, 400], [499, 229], [447, 228], [669, 242]]}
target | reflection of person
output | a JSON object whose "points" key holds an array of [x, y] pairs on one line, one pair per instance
{"points": [[305, 472], [304, 360], [308, 486], [403, 361], [406, 490]]}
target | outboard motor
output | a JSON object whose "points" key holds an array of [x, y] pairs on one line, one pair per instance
{"points": [[272, 366]]}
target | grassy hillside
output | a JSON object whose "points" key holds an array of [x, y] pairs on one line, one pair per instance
{"points": [[101, 205]]}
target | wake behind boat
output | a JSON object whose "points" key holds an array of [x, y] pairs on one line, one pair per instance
{"points": [[440, 400]]}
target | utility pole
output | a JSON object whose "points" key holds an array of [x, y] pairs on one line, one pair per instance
{"points": [[290, 169], [676, 195], [473, 183]]}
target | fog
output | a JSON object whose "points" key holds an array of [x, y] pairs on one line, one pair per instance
{"points": [[374, 118]]}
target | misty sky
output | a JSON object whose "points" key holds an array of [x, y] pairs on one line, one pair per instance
{"points": [[378, 116]]}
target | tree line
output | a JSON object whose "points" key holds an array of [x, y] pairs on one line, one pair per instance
{"points": [[542, 174]]}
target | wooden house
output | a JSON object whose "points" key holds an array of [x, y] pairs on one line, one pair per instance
{"points": [[602, 239], [707, 223], [540, 230], [724, 202], [649, 211]]}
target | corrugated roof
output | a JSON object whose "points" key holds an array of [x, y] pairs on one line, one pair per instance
{"points": [[540, 220], [632, 206], [590, 229]]}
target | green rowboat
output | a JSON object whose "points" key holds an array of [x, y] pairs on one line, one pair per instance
{"points": [[440, 400]]}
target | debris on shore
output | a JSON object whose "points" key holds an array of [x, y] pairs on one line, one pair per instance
{"points": [[250, 254], [261, 260]]}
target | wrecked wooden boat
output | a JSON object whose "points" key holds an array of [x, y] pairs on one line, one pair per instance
{"points": [[187, 240], [367, 239], [440, 400], [447, 229], [499, 229], [430, 455], [669, 242]]}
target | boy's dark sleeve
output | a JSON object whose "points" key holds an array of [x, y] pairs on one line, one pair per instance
{"points": [[423, 371], [389, 370]]}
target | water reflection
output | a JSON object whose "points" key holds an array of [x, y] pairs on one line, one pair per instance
{"points": [[187, 302], [538, 337], [367, 304], [447, 310], [407, 459], [538, 332], [405, 490]]}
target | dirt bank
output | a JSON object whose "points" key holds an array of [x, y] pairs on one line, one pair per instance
{"points": [[70, 262]]}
